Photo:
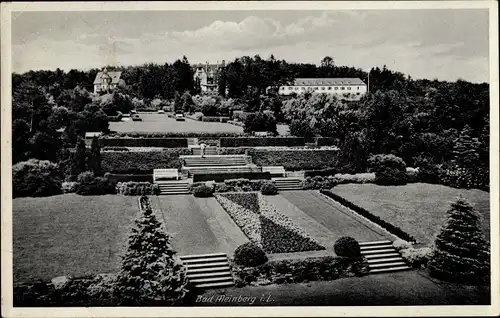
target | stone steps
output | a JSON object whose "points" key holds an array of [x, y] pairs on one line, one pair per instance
{"points": [[173, 187], [208, 270], [287, 184], [382, 257]]}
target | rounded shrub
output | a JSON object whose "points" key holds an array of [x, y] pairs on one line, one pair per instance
{"points": [[202, 191], [269, 188], [347, 246], [249, 254]]}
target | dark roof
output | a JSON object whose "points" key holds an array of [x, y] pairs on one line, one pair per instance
{"points": [[115, 77], [328, 81], [213, 67]]}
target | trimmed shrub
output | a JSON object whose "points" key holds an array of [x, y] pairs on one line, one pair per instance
{"points": [[69, 187], [386, 225], [96, 186], [429, 173], [417, 257], [140, 162], [412, 175], [232, 151], [137, 188], [262, 142], [347, 247], [249, 254], [144, 142], [355, 178], [215, 119], [295, 159], [326, 141], [318, 183], [382, 162], [391, 176], [202, 191], [461, 252], [401, 245], [268, 188], [129, 177], [219, 177], [36, 178], [85, 176]]}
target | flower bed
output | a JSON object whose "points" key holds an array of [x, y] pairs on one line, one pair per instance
{"points": [[137, 188], [299, 271], [267, 227], [198, 177]]}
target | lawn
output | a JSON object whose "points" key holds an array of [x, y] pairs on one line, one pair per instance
{"points": [[198, 225], [332, 216], [70, 235], [162, 123], [418, 208]]}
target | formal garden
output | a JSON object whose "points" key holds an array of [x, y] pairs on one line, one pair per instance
{"points": [[291, 190]]}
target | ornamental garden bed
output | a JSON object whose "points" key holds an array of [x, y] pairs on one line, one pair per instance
{"points": [[264, 225]]}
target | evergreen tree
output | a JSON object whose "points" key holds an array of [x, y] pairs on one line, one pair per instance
{"points": [[466, 149], [178, 103], [149, 270], [461, 252], [94, 161], [79, 158], [187, 102]]}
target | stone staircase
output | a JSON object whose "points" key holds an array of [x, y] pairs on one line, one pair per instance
{"points": [[382, 257], [210, 151], [287, 184], [173, 187], [214, 160], [208, 270]]}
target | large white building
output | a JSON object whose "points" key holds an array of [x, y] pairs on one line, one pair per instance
{"points": [[107, 81], [344, 88]]}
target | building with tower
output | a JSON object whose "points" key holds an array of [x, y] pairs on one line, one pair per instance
{"points": [[107, 81]]}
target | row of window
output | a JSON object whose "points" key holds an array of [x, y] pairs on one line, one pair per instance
{"points": [[323, 88]]}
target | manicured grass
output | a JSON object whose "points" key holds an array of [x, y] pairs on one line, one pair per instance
{"points": [[70, 235], [332, 216], [419, 209], [198, 225], [162, 123]]}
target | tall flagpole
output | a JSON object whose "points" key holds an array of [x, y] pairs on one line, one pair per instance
{"points": [[368, 89]]}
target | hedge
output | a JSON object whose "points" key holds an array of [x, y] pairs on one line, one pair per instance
{"points": [[307, 159], [325, 268], [190, 134], [144, 142], [326, 141], [140, 162], [321, 172], [137, 188], [232, 150], [219, 177], [130, 177], [375, 219], [212, 119], [262, 141]]}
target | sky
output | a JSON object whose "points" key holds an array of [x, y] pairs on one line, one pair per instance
{"points": [[446, 44]]}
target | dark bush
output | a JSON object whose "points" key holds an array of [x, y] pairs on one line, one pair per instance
{"points": [[129, 177], [219, 177], [326, 141], [319, 183], [144, 142], [232, 150], [96, 186], [295, 159], [36, 178], [202, 191], [321, 172], [428, 173], [142, 162], [249, 254], [381, 162], [260, 122], [262, 141], [391, 176], [268, 188], [347, 246], [386, 225]]}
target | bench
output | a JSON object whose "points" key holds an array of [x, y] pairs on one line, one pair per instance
{"points": [[275, 170], [165, 174]]}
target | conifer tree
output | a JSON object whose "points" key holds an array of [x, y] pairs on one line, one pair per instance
{"points": [[149, 270], [466, 149], [94, 161], [79, 158], [461, 252]]}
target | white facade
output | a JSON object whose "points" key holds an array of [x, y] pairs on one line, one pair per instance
{"points": [[107, 81], [345, 88]]}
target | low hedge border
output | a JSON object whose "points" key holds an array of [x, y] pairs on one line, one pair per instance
{"points": [[137, 188], [295, 159], [144, 142], [194, 134], [261, 141], [299, 271], [220, 177], [129, 177], [326, 141], [375, 219], [215, 119]]}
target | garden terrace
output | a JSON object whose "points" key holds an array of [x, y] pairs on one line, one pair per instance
{"points": [[295, 159], [261, 141], [144, 142], [419, 208]]}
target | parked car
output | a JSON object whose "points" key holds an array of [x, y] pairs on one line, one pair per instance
{"points": [[133, 111], [179, 117], [161, 111], [136, 117]]}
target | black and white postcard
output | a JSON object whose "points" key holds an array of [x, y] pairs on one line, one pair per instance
{"points": [[250, 159]]}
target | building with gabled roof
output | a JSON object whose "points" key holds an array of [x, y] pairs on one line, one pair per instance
{"points": [[207, 75], [107, 80], [343, 88]]}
